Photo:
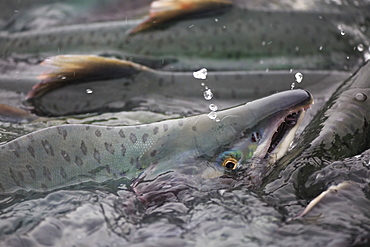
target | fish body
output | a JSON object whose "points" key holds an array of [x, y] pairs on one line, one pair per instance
{"points": [[239, 38], [340, 130], [106, 84], [69, 154]]}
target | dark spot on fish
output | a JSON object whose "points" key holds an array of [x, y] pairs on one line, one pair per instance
{"points": [[2, 187], [83, 148], [47, 147], [153, 153], [133, 138], [107, 167], [31, 171], [97, 155], [63, 173], [17, 144], [13, 176], [132, 161], [14, 150], [31, 138], [65, 155], [98, 133], [137, 127], [62, 132], [155, 130], [181, 123], [109, 147], [44, 186], [109, 128], [31, 150], [165, 127], [122, 134], [145, 137], [123, 150], [78, 161], [233, 94], [20, 176], [313, 40], [194, 128], [47, 173], [87, 127]]}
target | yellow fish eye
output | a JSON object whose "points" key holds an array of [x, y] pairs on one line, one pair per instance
{"points": [[230, 163]]}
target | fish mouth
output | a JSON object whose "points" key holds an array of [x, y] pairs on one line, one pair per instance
{"points": [[283, 134]]}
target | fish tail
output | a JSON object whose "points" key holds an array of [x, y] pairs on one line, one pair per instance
{"points": [[12, 114], [71, 69], [164, 11]]}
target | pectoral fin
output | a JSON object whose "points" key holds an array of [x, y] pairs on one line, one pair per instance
{"points": [[69, 69], [164, 11]]}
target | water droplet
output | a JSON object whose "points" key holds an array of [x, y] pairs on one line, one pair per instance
{"points": [[360, 47], [203, 84], [200, 74], [263, 43], [216, 20], [213, 107], [320, 48], [298, 77], [89, 91], [63, 78], [212, 115], [208, 95], [342, 32], [347, 57], [292, 86], [191, 26], [297, 48], [360, 96]]}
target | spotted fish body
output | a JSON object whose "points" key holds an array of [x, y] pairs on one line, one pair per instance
{"points": [[70, 154], [309, 39]]}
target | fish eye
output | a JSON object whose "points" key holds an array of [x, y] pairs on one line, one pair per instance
{"points": [[230, 163], [229, 160]]}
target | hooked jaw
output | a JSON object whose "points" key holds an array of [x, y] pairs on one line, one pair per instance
{"points": [[280, 131]]}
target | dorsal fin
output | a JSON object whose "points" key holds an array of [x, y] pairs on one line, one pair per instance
{"points": [[163, 11], [15, 115], [68, 69]]}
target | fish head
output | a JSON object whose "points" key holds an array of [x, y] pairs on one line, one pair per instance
{"points": [[239, 138], [253, 137]]}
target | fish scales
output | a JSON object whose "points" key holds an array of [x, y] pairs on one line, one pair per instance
{"points": [[237, 34], [77, 152], [70, 154]]}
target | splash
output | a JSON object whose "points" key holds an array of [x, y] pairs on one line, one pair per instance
{"points": [[207, 94], [298, 78], [200, 74]]}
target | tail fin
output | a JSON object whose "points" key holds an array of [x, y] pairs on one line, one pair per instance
{"points": [[69, 69], [164, 11], [15, 115]]}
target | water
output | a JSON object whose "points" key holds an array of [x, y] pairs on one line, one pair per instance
{"points": [[188, 210]]}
